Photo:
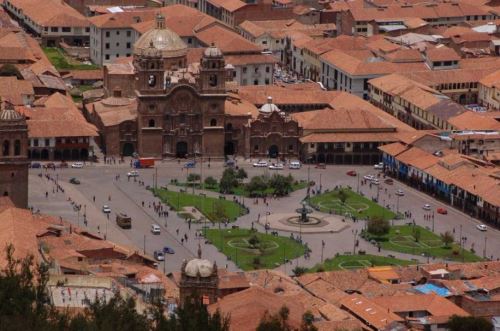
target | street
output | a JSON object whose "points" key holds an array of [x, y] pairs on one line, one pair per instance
{"points": [[109, 185]]}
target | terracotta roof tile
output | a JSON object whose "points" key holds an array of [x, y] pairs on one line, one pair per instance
{"points": [[442, 53], [14, 90], [393, 149], [470, 120]]}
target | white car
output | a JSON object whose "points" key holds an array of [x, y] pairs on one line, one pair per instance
{"points": [[375, 181], [277, 166], [379, 166], [106, 209], [427, 207], [260, 164], [155, 229], [481, 227], [400, 193], [77, 165], [294, 165], [133, 173], [369, 177]]}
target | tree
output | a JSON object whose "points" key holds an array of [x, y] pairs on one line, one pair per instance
{"points": [[280, 184], [228, 181], [210, 182], [342, 196], [307, 322], [378, 226], [417, 234], [219, 212], [447, 238], [193, 178], [257, 185], [299, 271], [254, 241], [469, 323], [241, 174], [275, 322], [10, 70]]}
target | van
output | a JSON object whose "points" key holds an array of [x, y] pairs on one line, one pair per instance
{"points": [[155, 229], [123, 221], [294, 165]]}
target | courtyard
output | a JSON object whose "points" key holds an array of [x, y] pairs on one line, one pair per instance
{"points": [[250, 249]]}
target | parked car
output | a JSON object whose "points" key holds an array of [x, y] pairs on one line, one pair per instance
{"points": [[158, 255], [352, 173], [277, 166], [400, 193], [77, 165], [294, 165], [36, 165], [389, 181], [379, 166], [481, 227], [427, 207], [230, 163], [155, 229], [442, 211], [190, 164], [375, 181], [260, 164], [106, 209], [133, 173], [75, 181], [168, 250], [321, 166], [369, 177]]}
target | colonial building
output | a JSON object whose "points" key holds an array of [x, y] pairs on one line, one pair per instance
{"points": [[14, 158]]}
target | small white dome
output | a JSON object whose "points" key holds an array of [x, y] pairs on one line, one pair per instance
{"points": [[269, 107], [212, 51], [195, 267]]}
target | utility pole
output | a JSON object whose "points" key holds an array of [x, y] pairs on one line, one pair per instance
{"points": [[322, 248], [357, 188], [144, 244], [484, 250]]}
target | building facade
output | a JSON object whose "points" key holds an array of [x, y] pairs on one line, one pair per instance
{"points": [[13, 160]]}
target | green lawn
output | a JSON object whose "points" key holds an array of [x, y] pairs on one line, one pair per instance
{"points": [[401, 239], [355, 204], [207, 205], [62, 62], [271, 251], [343, 262], [240, 189]]}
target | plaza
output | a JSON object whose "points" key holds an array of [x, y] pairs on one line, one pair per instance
{"points": [[108, 184]]}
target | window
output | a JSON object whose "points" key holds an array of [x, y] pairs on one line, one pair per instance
{"points": [[244, 70], [151, 123], [35, 142], [129, 33], [107, 34], [47, 142], [213, 122], [128, 46], [6, 148], [117, 44], [17, 147], [151, 108], [212, 80], [290, 147], [182, 119], [267, 81], [117, 33], [256, 82], [190, 40], [66, 29], [256, 70], [106, 56], [256, 147], [87, 29], [152, 80], [117, 55], [54, 29], [106, 46], [268, 69]]}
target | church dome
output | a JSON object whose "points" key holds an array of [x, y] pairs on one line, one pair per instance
{"points": [[160, 41], [200, 267], [10, 114], [269, 107], [212, 51]]}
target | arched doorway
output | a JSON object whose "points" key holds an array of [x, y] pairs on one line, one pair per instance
{"points": [[45, 154], [321, 158], [181, 149], [35, 154], [128, 149], [66, 154], [75, 155], [273, 151], [84, 154], [229, 148]]}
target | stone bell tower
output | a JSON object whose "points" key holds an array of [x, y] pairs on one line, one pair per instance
{"points": [[14, 156]]}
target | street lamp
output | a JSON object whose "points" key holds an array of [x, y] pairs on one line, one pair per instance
{"points": [[322, 248], [485, 242], [355, 232]]}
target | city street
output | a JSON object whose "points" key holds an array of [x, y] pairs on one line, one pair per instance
{"points": [[122, 195]]}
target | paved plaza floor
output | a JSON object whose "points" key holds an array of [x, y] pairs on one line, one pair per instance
{"points": [[108, 185]]}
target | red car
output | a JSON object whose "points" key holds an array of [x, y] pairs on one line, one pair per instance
{"points": [[352, 173], [442, 211]]}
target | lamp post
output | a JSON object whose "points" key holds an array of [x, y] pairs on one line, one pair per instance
{"points": [[355, 232], [485, 242], [357, 188], [203, 195], [322, 248]]}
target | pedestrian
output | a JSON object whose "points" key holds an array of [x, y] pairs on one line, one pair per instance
{"points": [[143, 204], [93, 198], [177, 231], [109, 197], [46, 194]]}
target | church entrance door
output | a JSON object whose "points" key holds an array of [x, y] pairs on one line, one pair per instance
{"points": [[273, 151], [181, 149], [128, 149], [229, 148]]}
